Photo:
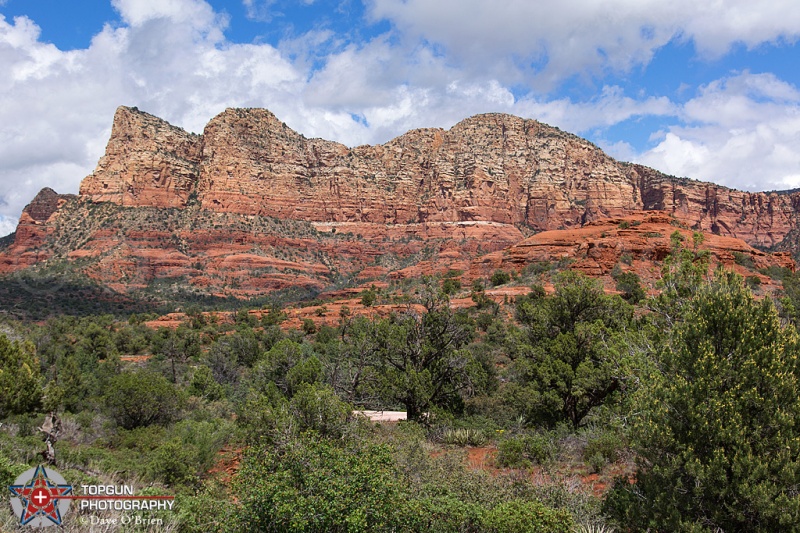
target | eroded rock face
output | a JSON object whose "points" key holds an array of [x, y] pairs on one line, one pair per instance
{"points": [[35, 225], [761, 219], [496, 168], [217, 209], [492, 167], [148, 162], [638, 242]]}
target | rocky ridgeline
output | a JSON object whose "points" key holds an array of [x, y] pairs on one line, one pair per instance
{"points": [[166, 203], [491, 167]]}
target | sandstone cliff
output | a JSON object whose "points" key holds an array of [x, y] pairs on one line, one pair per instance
{"points": [[492, 167], [34, 227], [250, 205], [147, 162]]}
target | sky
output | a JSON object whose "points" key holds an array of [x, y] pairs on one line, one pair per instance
{"points": [[707, 90]]}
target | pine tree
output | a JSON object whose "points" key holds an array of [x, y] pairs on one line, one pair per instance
{"points": [[719, 446]]}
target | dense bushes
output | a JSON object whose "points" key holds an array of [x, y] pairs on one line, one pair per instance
{"points": [[20, 381], [316, 484], [141, 398], [699, 384]]}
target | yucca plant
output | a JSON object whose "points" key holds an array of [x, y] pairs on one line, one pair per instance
{"points": [[464, 437], [594, 528]]}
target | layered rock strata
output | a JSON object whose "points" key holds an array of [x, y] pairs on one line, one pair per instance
{"points": [[493, 167], [251, 206]]}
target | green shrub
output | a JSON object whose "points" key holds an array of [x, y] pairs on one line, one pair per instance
{"points": [[141, 398], [174, 462], [539, 448], [451, 286], [596, 462], [776, 272], [316, 407], [309, 328], [629, 284], [511, 453], [534, 269], [265, 418], [745, 260], [274, 316], [607, 445], [368, 298], [446, 514], [500, 277], [753, 281], [314, 485], [306, 371], [20, 379], [206, 511], [523, 450], [10, 470], [204, 386], [517, 516]]}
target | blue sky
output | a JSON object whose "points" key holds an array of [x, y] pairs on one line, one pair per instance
{"points": [[708, 90]]}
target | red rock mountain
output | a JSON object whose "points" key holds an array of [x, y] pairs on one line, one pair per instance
{"points": [[251, 205]]}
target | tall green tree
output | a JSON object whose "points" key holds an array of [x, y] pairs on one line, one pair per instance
{"points": [[570, 361], [141, 398], [20, 380], [419, 357], [719, 443]]}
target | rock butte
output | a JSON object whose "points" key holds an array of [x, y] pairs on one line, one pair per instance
{"points": [[251, 206]]}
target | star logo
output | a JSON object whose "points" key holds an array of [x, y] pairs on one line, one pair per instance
{"points": [[38, 498]]}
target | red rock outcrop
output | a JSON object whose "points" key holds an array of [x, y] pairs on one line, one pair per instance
{"points": [[35, 224], [492, 167], [251, 206], [148, 162], [637, 242], [759, 218]]}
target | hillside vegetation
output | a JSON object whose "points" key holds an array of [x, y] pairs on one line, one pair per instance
{"points": [[560, 408]]}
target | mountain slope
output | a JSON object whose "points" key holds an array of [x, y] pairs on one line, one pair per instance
{"points": [[251, 206]]}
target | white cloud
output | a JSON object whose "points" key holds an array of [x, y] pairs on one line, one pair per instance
{"points": [[7, 224], [742, 131], [197, 15], [171, 58], [561, 38], [610, 107]]}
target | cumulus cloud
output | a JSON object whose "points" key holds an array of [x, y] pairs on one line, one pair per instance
{"points": [[170, 58], [441, 62], [742, 131], [7, 225], [554, 39], [610, 107]]}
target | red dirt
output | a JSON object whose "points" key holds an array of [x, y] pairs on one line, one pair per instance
{"points": [[482, 458], [227, 465]]}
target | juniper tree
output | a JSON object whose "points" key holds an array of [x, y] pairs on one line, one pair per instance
{"points": [[719, 444], [570, 361]]}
